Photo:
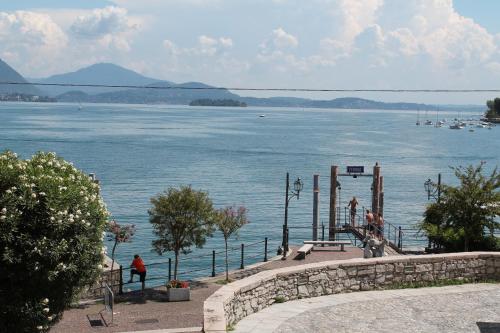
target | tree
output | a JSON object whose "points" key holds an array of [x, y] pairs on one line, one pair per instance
{"points": [[229, 220], [464, 218], [51, 239], [181, 218], [119, 234], [493, 108]]}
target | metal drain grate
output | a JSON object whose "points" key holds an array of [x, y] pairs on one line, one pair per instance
{"points": [[96, 323]]}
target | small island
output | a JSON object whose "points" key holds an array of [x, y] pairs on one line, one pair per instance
{"points": [[217, 102]]}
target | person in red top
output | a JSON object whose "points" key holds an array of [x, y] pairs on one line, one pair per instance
{"points": [[137, 268]]}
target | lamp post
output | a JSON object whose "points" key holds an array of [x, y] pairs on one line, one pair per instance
{"points": [[339, 188], [297, 187], [434, 192]]}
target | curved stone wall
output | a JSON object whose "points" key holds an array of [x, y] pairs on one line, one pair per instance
{"points": [[241, 298]]}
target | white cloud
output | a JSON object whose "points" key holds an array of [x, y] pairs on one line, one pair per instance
{"points": [[226, 42], [353, 17], [282, 39], [430, 28], [101, 22], [209, 55], [28, 39]]}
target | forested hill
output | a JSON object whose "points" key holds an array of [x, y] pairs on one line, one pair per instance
{"points": [[8, 74]]}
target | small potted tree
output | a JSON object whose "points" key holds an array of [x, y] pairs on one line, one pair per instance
{"points": [[181, 218], [229, 220]]}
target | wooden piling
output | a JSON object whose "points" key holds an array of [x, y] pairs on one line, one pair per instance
{"points": [[376, 189]]}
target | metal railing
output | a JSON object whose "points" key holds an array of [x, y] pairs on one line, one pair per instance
{"points": [[200, 265]]}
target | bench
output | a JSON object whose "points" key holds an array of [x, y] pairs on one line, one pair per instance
{"points": [[330, 243], [304, 250]]}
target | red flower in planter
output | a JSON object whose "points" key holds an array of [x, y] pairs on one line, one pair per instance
{"points": [[177, 284]]}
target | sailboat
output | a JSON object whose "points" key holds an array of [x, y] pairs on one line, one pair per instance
{"points": [[439, 123], [418, 118], [427, 122]]}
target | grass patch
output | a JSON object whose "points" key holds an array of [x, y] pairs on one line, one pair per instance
{"points": [[223, 282], [279, 299], [436, 283]]}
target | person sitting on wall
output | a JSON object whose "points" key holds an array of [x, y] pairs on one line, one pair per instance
{"points": [[137, 268]]}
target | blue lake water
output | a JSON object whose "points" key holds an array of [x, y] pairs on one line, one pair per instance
{"points": [[242, 159]]}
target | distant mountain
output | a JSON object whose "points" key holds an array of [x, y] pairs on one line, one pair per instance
{"points": [[181, 95], [338, 103], [352, 103], [8, 74], [185, 93], [100, 74]]}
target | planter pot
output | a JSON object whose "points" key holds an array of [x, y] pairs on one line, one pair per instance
{"points": [[178, 294]]}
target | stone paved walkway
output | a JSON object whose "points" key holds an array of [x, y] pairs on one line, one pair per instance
{"points": [[464, 308]]}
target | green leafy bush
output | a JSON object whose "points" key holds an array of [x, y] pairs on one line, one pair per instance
{"points": [[465, 217], [52, 223]]}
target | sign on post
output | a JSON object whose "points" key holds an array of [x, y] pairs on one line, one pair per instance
{"points": [[355, 169]]}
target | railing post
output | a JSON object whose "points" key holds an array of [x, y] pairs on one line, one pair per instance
{"points": [[120, 290], [213, 263], [242, 256], [345, 217], [169, 269], [400, 240], [265, 249], [322, 231]]}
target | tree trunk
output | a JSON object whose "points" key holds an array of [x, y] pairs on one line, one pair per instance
{"points": [[227, 266], [113, 259], [176, 263]]}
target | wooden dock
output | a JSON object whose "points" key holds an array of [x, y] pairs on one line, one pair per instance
{"points": [[359, 232]]}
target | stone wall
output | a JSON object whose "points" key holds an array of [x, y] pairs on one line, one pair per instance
{"points": [[241, 298]]}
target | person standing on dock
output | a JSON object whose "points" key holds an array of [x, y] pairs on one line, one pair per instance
{"points": [[138, 268], [369, 221], [380, 226], [353, 203]]}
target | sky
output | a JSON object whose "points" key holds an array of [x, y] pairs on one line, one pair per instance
{"points": [[332, 44]]}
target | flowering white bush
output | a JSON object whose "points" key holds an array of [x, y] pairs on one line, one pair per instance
{"points": [[52, 220]]}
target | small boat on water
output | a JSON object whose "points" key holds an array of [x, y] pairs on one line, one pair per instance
{"points": [[456, 126], [429, 122], [262, 116]]}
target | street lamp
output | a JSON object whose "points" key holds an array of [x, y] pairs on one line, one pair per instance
{"points": [[297, 187], [338, 210], [433, 191]]}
